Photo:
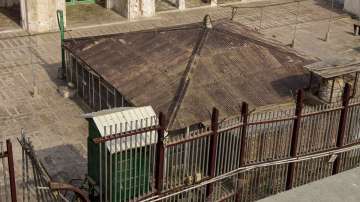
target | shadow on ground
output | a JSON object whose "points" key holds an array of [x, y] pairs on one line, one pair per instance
{"points": [[64, 162], [10, 18]]}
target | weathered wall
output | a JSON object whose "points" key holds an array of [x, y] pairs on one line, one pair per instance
{"points": [[40, 15], [133, 9], [121, 7], [9, 3], [352, 6]]}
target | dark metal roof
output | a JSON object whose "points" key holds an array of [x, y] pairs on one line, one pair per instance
{"points": [[235, 64], [327, 71]]}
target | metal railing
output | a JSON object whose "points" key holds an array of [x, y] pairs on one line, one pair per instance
{"points": [[7, 173], [241, 158]]}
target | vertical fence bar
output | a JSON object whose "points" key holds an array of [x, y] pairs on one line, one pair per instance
{"points": [[295, 138], [11, 171], [244, 116], [213, 148], [342, 125], [160, 152]]}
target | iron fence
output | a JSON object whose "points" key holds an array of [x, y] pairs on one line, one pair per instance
{"points": [[124, 163], [240, 158], [7, 173]]}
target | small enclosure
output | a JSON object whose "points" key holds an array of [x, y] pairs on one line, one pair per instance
{"points": [[327, 81], [90, 86], [124, 168]]}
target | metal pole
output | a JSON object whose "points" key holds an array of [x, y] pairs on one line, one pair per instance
{"points": [[330, 21], [213, 151], [60, 18], [233, 13], [296, 24], [342, 125], [244, 114], [245, 117], [160, 154], [295, 138], [261, 16], [11, 170]]}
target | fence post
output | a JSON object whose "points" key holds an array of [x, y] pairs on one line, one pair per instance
{"points": [[295, 138], [11, 170], [160, 154], [244, 115], [213, 151], [342, 125]]}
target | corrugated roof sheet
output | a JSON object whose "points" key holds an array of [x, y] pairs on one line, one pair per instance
{"points": [[125, 119], [236, 64]]}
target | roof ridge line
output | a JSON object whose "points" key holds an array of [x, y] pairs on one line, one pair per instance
{"points": [[185, 81]]}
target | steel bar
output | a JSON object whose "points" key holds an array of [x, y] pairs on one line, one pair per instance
{"points": [[249, 167], [296, 23], [295, 137], [160, 154], [213, 151], [330, 21], [11, 170], [244, 115], [342, 125], [125, 134]]}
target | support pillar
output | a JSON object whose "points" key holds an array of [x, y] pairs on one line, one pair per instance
{"points": [[40, 15], [133, 9], [181, 4], [11, 170], [295, 138], [213, 151], [109, 4], [340, 141], [160, 154], [214, 3]]}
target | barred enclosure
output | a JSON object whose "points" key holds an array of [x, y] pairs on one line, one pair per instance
{"points": [[241, 158], [90, 87], [7, 172]]}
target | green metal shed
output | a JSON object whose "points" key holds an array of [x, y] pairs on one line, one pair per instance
{"points": [[123, 167]]}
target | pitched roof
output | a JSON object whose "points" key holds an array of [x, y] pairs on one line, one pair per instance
{"points": [[232, 64]]}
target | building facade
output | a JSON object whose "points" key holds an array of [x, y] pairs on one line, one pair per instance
{"points": [[352, 6], [40, 15]]}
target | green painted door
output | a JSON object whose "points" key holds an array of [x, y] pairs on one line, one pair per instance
{"points": [[73, 2]]}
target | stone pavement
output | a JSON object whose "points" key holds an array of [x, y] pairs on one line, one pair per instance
{"points": [[344, 187], [54, 123], [84, 14]]}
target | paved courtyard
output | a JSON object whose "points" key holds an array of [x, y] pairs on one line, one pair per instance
{"points": [[54, 123], [342, 187]]}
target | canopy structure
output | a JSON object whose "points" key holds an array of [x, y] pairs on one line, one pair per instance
{"points": [[124, 119], [333, 78], [331, 71]]}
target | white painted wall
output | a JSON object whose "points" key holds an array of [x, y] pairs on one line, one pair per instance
{"points": [[352, 6]]}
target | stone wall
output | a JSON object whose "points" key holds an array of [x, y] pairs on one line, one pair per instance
{"points": [[9, 3], [133, 9], [40, 15], [352, 6]]}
